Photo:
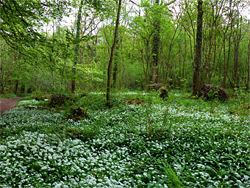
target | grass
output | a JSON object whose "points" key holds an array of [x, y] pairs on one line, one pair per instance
{"points": [[176, 143], [2, 96]]}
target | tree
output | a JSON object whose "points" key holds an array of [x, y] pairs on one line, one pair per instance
{"points": [[78, 31], [197, 60], [156, 41], [116, 58], [20, 20], [248, 66], [112, 54]]}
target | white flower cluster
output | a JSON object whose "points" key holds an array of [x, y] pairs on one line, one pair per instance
{"points": [[128, 150]]}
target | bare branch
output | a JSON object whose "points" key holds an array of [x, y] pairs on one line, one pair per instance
{"points": [[133, 2]]}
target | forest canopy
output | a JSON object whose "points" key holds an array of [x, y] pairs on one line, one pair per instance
{"points": [[156, 42]]}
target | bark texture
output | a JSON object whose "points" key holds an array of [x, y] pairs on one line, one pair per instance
{"points": [[197, 60]]}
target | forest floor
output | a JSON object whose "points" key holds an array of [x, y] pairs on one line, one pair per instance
{"points": [[7, 104], [142, 141]]}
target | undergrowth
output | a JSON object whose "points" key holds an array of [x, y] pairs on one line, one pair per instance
{"points": [[179, 142]]}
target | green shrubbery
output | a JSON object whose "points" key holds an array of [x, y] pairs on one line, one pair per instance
{"points": [[7, 96]]}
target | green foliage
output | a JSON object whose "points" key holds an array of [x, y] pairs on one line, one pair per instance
{"points": [[241, 103], [76, 113], [94, 101], [172, 179], [22, 19], [7, 96], [201, 144], [40, 96], [37, 46], [84, 133]]}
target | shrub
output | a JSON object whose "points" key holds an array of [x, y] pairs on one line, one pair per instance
{"points": [[164, 93], [77, 113], [57, 100]]}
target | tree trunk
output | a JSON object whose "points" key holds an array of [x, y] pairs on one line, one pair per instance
{"points": [[1, 79], [169, 66], [155, 50], [197, 60], [111, 56], [16, 86], [226, 67], [22, 89], [237, 41], [185, 57], [115, 74], [78, 30], [248, 72], [116, 58]]}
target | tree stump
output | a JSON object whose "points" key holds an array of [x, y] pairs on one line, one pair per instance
{"points": [[210, 92], [155, 86], [77, 113], [164, 93], [57, 100]]}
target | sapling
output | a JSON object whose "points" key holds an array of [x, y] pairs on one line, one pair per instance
{"points": [[184, 85]]}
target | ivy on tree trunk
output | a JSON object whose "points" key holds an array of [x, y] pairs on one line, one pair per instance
{"points": [[156, 40]]}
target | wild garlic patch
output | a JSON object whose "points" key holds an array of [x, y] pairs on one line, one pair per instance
{"points": [[28, 102], [151, 145]]}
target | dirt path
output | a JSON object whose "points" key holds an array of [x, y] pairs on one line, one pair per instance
{"points": [[7, 104]]}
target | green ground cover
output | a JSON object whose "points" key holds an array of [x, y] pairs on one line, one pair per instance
{"points": [[180, 142]]}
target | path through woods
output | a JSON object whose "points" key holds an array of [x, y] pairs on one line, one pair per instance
{"points": [[7, 104]]}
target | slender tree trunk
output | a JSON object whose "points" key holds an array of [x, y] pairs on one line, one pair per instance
{"points": [[155, 50], [224, 60], [227, 64], [16, 86], [236, 58], [191, 49], [248, 72], [22, 89], [1, 79], [116, 58], [207, 65], [115, 74], [148, 62], [169, 66], [219, 64], [112, 54], [185, 57], [197, 60], [215, 53], [236, 55], [78, 31]]}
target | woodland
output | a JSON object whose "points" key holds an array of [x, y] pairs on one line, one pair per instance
{"points": [[125, 93]]}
